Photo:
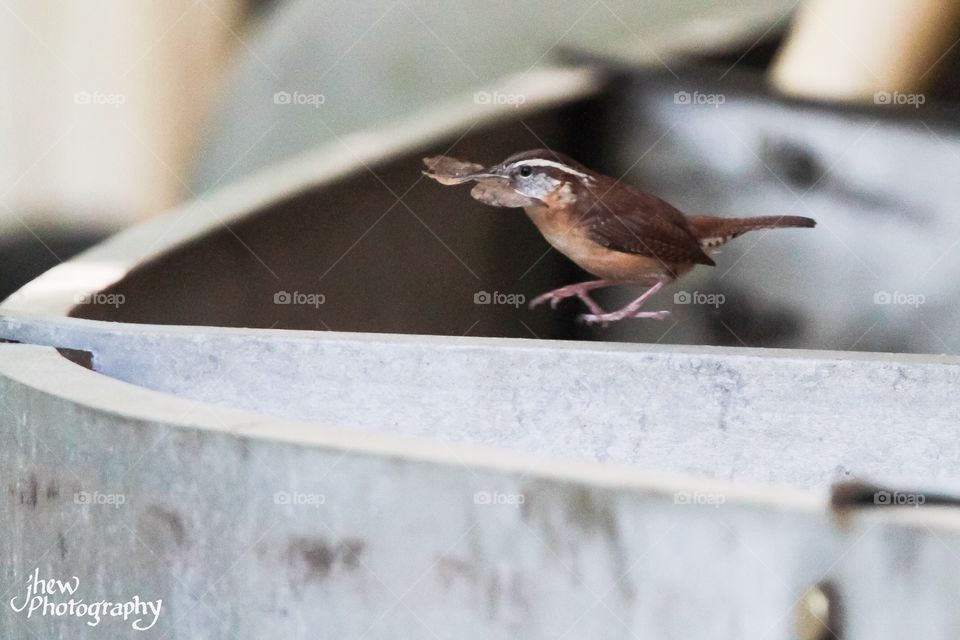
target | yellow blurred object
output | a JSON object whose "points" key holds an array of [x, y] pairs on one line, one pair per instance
{"points": [[103, 102], [816, 617], [854, 50]]}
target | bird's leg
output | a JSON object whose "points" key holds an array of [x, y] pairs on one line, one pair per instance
{"points": [[579, 290], [629, 311]]}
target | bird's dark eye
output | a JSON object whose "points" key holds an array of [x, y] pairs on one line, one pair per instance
{"points": [[526, 172]]}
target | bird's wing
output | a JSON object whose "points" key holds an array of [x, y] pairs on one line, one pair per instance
{"points": [[627, 220]]}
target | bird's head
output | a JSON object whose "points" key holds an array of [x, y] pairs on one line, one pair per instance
{"points": [[532, 177]]}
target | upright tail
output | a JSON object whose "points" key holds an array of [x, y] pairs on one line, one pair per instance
{"points": [[713, 232]]}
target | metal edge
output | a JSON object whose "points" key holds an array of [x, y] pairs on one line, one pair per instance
{"points": [[43, 370], [78, 333]]}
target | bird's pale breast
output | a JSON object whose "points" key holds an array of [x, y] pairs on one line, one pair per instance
{"points": [[559, 227]]}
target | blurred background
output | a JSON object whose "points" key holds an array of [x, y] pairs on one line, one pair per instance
{"points": [[843, 110]]}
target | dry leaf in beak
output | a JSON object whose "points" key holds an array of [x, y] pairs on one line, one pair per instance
{"points": [[498, 193], [448, 171]]}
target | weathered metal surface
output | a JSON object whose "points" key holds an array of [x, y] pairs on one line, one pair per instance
{"points": [[245, 526], [801, 418]]}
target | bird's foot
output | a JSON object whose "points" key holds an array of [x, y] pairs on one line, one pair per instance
{"points": [[605, 319], [629, 311], [555, 296], [579, 290]]}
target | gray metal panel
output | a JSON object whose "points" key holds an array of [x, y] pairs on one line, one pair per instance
{"points": [[802, 418], [401, 547]]}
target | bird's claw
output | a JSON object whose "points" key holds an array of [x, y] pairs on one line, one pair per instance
{"points": [[654, 315], [553, 299], [605, 319], [591, 319]]}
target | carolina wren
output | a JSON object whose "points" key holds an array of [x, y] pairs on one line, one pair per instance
{"points": [[615, 232]]}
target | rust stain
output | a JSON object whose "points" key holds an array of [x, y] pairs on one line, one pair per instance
{"points": [[354, 547], [504, 588], [30, 495], [451, 569], [30, 492], [171, 522], [317, 558]]}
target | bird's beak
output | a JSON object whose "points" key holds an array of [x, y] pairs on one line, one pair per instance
{"points": [[480, 175], [469, 177]]}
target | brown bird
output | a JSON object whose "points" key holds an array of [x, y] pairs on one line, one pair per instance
{"points": [[617, 233]]}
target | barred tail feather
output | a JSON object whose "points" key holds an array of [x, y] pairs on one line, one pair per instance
{"points": [[713, 232]]}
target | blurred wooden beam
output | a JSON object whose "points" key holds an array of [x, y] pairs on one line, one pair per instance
{"points": [[852, 49], [102, 104]]}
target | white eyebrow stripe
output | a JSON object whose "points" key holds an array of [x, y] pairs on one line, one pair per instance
{"points": [[548, 163]]}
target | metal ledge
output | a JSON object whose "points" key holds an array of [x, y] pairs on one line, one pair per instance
{"points": [[585, 549], [786, 417]]}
